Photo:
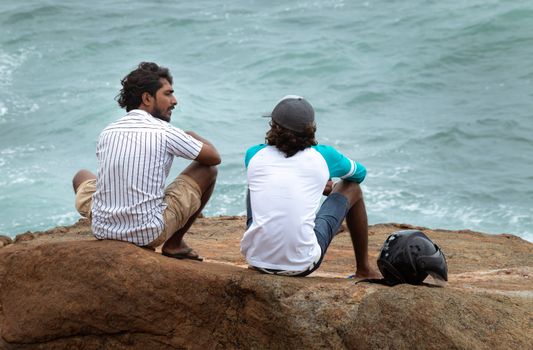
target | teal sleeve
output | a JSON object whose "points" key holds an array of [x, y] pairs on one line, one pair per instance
{"points": [[251, 152], [340, 165]]}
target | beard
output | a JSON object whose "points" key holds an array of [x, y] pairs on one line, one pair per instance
{"points": [[157, 113]]}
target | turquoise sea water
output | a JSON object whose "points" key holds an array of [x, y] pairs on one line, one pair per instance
{"points": [[435, 98]]}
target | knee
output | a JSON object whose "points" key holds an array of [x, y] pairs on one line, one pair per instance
{"points": [[351, 190], [356, 191], [212, 172], [77, 176], [356, 188], [80, 177]]}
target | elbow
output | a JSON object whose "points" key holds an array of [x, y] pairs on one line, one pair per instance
{"points": [[209, 156], [214, 160]]}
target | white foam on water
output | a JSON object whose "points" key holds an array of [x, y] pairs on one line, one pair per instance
{"points": [[14, 103], [393, 173], [65, 218], [382, 200], [8, 151], [26, 149], [224, 204], [21, 180], [447, 214], [16, 179], [16, 176], [9, 62], [33, 108], [336, 4], [3, 109]]}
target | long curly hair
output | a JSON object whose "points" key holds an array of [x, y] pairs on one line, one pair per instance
{"points": [[288, 141], [146, 78]]}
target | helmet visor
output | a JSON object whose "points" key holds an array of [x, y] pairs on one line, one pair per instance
{"points": [[434, 264]]}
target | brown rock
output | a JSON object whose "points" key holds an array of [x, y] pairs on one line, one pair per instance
{"points": [[26, 236], [66, 290], [5, 240]]}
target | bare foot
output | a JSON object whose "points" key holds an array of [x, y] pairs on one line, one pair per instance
{"points": [[171, 249], [367, 273], [182, 252]]}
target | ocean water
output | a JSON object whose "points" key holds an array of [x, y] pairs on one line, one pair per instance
{"points": [[435, 98]]}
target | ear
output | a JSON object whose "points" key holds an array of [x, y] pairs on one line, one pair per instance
{"points": [[147, 99]]}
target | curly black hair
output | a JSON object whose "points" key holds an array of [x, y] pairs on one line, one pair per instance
{"points": [[288, 141], [146, 78]]}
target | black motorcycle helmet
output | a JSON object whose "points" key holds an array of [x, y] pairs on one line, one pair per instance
{"points": [[409, 256]]}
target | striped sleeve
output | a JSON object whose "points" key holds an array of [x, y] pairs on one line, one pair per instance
{"points": [[181, 144], [341, 166]]}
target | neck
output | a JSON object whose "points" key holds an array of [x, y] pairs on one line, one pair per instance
{"points": [[145, 108]]}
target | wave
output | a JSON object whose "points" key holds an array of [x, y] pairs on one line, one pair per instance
{"points": [[393, 205], [3, 110], [9, 62], [19, 16]]}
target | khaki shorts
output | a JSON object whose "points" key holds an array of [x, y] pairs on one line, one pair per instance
{"points": [[84, 198], [182, 196]]}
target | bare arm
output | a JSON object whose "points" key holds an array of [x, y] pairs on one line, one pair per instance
{"points": [[328, 188], [208, 154]]}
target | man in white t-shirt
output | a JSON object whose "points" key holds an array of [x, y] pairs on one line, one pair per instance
{"points": [[288, 230], [127, 199]]}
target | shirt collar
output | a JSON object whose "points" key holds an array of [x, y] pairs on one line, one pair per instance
{"points": [[140, 112]]}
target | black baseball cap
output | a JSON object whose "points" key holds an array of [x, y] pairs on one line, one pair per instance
{"points": [[293, 112]]}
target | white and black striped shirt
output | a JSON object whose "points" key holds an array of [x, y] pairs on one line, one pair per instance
{"points": [[135, 154]]}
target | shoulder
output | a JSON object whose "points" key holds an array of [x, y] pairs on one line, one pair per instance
{"points": [[252, 151], [172, 130], [328, 152]]}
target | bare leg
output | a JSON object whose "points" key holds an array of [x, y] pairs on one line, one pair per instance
{"points": [[357, 223], [206, 177], [80, 177]]}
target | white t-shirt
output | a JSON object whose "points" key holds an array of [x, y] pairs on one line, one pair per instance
{"points": [[285, 195]]}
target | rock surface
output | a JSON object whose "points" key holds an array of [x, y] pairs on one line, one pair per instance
{"points": [[62, 289]]}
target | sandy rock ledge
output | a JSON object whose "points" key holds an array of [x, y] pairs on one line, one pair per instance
{"points": [[62, 289]]}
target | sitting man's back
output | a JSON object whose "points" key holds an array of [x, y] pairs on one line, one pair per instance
{"points": [[127, 200], [286, 180]]}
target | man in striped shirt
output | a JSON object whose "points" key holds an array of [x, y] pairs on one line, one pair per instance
{"points": [[127, 199], [289, 230]]}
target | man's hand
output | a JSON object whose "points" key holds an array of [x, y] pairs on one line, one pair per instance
{"points": [[208, 154], [328, 188]]}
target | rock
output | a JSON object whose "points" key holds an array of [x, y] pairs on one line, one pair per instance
{"points": [[26, 236], [5, 240], [66, 290]]}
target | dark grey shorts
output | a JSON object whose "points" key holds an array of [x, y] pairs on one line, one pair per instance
{"points": [[327, 223]]}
